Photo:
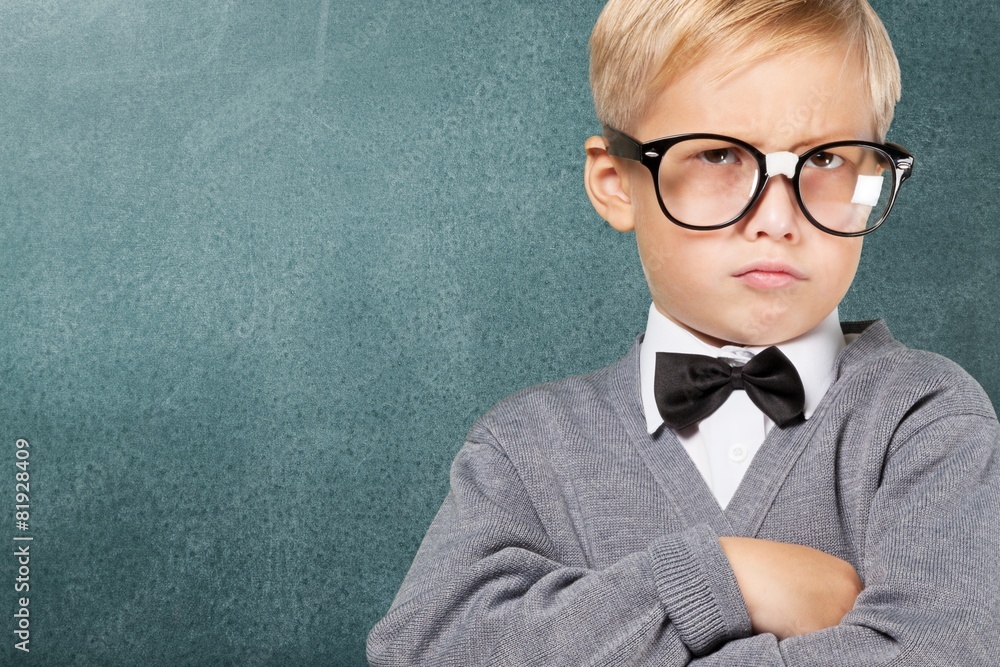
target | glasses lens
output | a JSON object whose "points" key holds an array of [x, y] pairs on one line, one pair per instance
{"points": [[847, 188], [707, 182]]}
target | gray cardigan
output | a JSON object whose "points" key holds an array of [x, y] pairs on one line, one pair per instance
{"points": [[573, 537]]}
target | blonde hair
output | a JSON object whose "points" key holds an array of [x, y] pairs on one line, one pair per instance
{"points": [[640, 46]]}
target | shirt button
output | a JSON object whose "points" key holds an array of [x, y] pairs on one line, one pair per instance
{"points": [[737, 453]]}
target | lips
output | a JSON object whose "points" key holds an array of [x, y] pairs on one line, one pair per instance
{"points": [[767, 274]]}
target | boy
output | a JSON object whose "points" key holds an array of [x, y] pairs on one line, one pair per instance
{"points": [[752, 484]]}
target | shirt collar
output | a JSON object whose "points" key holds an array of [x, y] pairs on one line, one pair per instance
{"points": [[813, 354]]}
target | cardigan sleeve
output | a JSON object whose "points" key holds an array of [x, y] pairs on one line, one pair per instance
{"points": [[929, 564], [490, 587]]}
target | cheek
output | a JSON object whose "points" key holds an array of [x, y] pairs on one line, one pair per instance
{"points": [[667, 251], [842, 264], [684, 283], [657, 252], [670, 260]]}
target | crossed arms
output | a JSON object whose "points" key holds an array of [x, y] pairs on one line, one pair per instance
{"points": [[495, 584]]}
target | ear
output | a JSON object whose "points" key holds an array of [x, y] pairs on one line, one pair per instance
{"points": [[607, 183]]}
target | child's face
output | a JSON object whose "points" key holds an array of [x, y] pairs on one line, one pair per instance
{"points": [[772, 276]]}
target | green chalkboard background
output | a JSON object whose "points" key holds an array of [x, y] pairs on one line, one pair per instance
{"points": [[264, 262]]}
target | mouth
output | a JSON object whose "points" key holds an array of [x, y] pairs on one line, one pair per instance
{"points": [[769, 275]]}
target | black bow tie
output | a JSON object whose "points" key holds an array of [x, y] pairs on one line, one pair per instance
{"points": [[690, 387]]}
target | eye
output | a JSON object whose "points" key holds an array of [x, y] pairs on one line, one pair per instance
{"points": [[719, 156], [824, 160]]}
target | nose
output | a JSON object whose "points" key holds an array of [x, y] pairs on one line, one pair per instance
{"points": [[776, 213]]}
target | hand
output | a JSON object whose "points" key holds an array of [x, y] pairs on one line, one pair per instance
{"points": [[791, 589]]}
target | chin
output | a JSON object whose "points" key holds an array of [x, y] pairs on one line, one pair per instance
{"points": [[763, 336], [777, 323]]}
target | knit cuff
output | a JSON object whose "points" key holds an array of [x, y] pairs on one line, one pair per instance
{"points": [[698, 589]]}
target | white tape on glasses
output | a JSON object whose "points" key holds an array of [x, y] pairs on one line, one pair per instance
{"points": [[868, 190]]}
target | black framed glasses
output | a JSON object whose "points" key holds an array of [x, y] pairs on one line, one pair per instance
{"points": [[710, 181]]}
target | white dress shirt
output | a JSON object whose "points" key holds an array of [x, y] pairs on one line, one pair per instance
{"points": [[723, 444]]}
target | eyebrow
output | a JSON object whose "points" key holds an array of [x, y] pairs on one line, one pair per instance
{"points": [[802, 146]]}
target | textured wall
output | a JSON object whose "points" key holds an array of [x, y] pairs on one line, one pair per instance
{"points": [[265, 262]]}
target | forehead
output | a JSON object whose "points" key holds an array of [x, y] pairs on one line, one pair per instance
{"points": [[784, 102]]}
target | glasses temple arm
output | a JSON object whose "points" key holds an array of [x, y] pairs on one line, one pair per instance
{"points": [[621, 145]]}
